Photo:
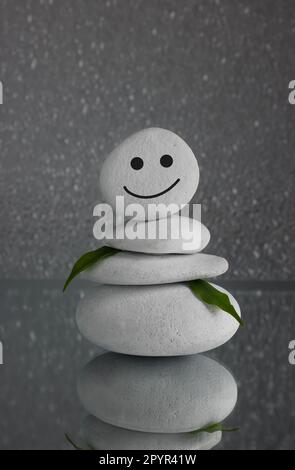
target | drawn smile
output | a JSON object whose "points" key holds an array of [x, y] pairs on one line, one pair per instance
{"points": [[152, 195]]}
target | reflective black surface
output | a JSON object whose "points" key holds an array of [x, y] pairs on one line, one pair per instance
{"points": [[43, 354]]}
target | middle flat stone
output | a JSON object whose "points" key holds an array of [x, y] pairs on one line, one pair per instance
{"points": [[126, 268]]}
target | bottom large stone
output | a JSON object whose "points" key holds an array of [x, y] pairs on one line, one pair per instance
{"points": [[166, 320]]}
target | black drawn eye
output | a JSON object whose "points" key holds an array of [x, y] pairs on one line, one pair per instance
{"points": [[136, 163], [166, 161]]}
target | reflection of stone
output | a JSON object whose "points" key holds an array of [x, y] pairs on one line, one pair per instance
{"points": [[166, 320], [158, 395], [100, 435]]}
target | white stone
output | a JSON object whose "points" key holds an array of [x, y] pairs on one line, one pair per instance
{"points": [[104, 436], [126, 268], [151, 183], [184, 237], [165, 320], [161, 395]]}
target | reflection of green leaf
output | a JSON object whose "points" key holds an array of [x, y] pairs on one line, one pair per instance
{"points": [[213, 428], [87, 260], [212, 296], [71, 441]]}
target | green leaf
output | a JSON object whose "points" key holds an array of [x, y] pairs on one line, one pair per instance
{"points": [[212, 296], [213, 428], [89, 259], [71, 441]]}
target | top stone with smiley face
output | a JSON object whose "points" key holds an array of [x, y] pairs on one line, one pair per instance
{"points": [[152, 166]]}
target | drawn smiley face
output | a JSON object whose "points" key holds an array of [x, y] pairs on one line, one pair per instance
{"points": [[152, 166]]}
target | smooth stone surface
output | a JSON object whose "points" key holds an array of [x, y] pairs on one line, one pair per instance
{"points": [[165, 320], [194, 237], [166, 395], [104, 436], [127, 268], [118, 178]]}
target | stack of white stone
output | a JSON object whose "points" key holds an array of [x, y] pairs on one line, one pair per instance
{"points": [[141, 305]]}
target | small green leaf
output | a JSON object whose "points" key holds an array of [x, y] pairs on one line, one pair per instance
{"points": [[71, 441], [212, 296], [213, 428], [87, 260]]}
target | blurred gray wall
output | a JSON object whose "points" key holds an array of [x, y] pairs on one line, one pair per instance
{"points": [[79, 76]]}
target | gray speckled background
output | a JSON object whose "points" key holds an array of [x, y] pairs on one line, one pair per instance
{"points": [[78, 77]]}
